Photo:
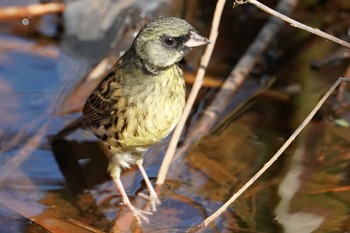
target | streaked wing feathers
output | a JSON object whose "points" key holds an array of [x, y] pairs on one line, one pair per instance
{"points": [[100, 103]]}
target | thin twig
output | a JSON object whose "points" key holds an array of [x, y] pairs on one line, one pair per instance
{"points": [[272, 160], [20, 12], [194, 92], [342, 89], [295, 23]]}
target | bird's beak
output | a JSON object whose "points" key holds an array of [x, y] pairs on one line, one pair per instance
{"points": [[196, 40]]}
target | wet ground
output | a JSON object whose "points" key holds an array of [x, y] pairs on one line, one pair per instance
{"points": [[64, 187]]}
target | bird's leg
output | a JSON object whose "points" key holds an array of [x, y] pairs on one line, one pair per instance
{"points": [[153, 196], [139, 214]]}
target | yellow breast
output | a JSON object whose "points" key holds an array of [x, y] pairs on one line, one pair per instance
{"points": [[153, 112]]}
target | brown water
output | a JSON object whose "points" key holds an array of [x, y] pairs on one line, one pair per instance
{"points": [[64, 187]]}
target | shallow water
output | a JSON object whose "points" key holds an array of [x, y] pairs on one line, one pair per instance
{"points": [[64, 187]]}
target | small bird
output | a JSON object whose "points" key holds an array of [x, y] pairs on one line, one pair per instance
{"points": [[141, 99]]}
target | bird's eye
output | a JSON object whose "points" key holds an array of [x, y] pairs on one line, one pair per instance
{"points": [[169, 41]]}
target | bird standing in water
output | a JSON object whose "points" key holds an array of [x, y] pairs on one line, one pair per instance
{"points": [[141, 99]]}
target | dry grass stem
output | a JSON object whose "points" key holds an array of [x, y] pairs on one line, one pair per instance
{"points": [[272, 160], [295, 23], [16, 12], [194, 92]]}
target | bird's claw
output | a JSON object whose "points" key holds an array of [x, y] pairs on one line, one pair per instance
{"points": [[140, 214], [153, 201]]}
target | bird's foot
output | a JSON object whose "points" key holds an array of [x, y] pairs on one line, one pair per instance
{"points": [[140, 215], [153, 200]]}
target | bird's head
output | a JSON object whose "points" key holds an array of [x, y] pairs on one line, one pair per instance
{"points": [[165, 40]]}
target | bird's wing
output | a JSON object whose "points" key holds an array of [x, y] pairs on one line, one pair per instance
{"points": [[100, 103]]}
